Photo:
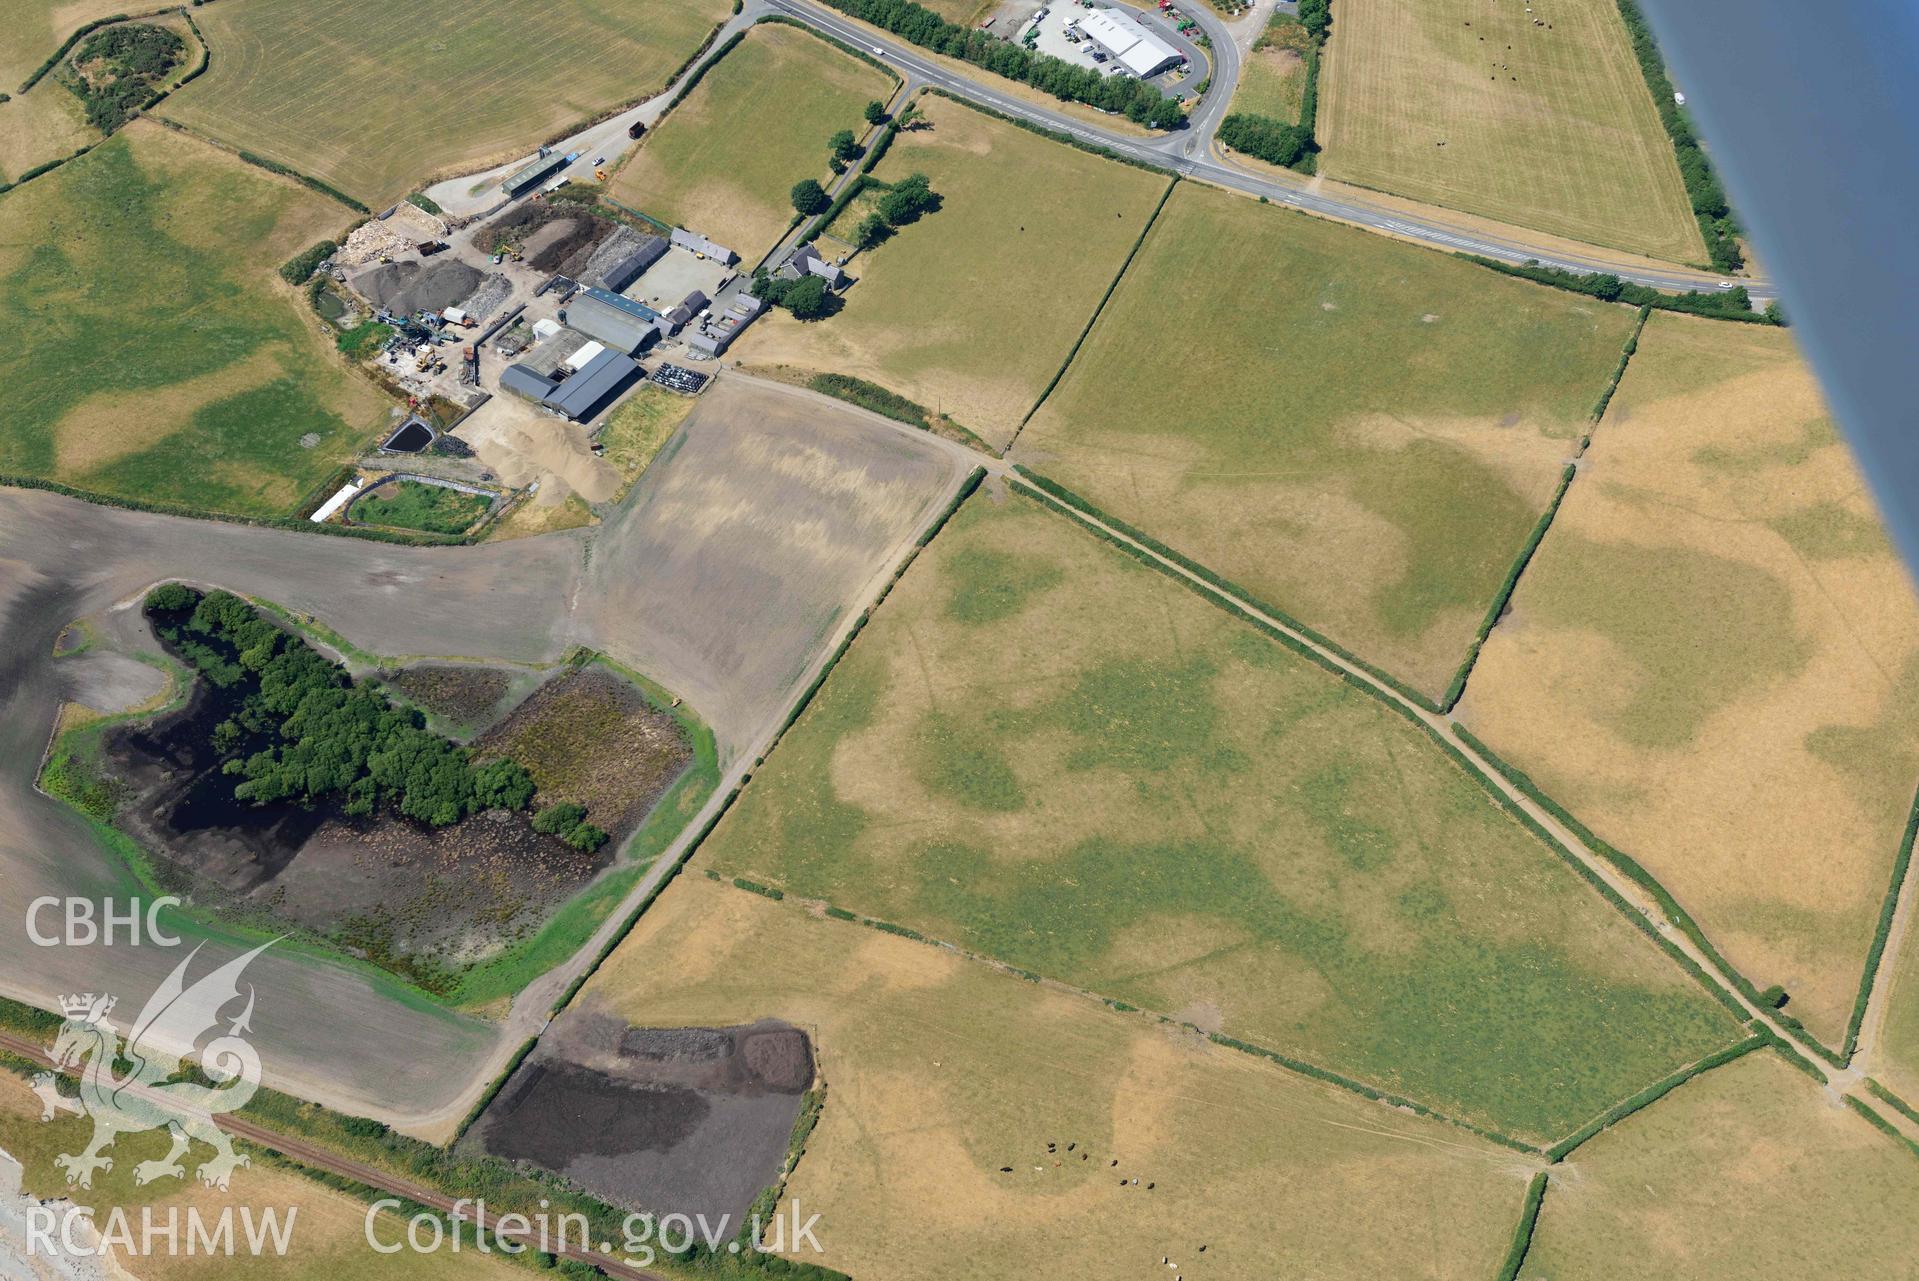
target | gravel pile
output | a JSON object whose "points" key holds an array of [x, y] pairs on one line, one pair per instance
{"points": [[408, 287]]}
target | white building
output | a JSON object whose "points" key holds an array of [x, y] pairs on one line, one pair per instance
{"points": [[1129, 42]]}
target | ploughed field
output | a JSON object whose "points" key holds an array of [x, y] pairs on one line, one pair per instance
{"points": [[1042, 751], [374, 96], [664, 1120], [1531, 114]]}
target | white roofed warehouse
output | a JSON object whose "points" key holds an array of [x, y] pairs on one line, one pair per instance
{"points": [[1129, 42]]}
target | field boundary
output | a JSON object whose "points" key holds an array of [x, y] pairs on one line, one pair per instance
{"points": [[1504, 596], [698, 839], [1875, 955], [1653, 1093], [1052, 135], [1523, 1230], [1631, 869], [1732, 304], [1881, 1124], [1059, 494], [1389, 694], [1298, 1067], [1099, 308]]}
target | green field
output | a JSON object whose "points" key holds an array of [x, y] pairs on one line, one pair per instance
{"points": [[1713, 659], [972, 310], [725, 160], [1043, 751], [1749, 1171], [151, 352], [1357, 431], [1543, 120], [409, 504], [377, 97]]}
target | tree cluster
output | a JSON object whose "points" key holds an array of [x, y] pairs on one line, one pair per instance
{"points": [[807, 298], [567, 820], [1264, 138], [302, 731], [1708, 198], [1135, 99], [809, 197], [1317, 17], [118, 71]]}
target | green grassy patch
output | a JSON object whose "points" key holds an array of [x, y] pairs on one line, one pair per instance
{"points": [[1103, 780], [412, 504], [727, 157], [150, 358]]}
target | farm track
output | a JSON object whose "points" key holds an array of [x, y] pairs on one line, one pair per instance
{"points": [[303, 1152]]}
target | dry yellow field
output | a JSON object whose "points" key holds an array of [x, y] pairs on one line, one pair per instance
{"points": [[1749, 1171], [940, 1071], [972, 309], [35, 28], [41, 126], [1714, 659], [379, 97], [327, 1241], [1538, 117]]}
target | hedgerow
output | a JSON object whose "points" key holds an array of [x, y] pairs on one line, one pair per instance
{"points": [[1722, 304], [1523, 1230], [1876, 953], [1708, 198]]}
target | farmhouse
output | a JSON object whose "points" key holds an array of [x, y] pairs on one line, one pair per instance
{"points": [[807, 261], [620, 323], [1129, 42]]}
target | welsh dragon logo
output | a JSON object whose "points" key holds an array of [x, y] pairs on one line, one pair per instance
{"points": [[146, 1097]]}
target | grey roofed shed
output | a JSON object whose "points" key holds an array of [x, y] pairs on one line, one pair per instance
{"points": [[618, 322], [528, 382], [701, 245], [602, 376], [632, 266]]}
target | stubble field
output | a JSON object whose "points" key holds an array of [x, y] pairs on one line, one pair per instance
{"points": [[725, 160], [1360, 432], [940, 1071], [35, 28], [1713, 660], [1536, 115], [376, 96], [1748, 1171], [1044, 752], [1027, 238], [152, 352]]}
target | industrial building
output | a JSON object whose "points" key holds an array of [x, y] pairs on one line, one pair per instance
{"points": [[521, 181], [1131, 45], [593, 375], [623, 259], [620, 323]]}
